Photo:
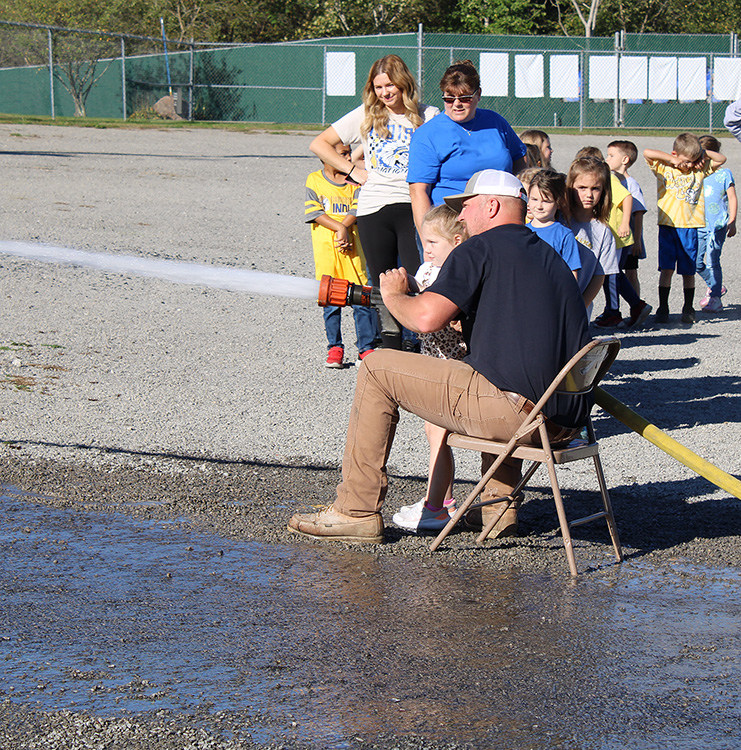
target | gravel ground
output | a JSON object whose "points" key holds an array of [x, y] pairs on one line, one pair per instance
{"points": [[166, 401]]}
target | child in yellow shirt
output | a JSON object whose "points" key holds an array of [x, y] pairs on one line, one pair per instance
{"points": [[330, 208]]}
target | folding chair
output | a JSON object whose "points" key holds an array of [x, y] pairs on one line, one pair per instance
{"points": [[579, 376]]}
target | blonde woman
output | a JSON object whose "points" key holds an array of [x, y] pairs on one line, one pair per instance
{"points": [[383, 124]]}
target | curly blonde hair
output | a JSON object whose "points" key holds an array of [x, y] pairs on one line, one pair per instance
{"points": [[376, 114]]}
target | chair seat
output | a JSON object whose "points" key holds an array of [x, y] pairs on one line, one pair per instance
{"points": [[573, 451]]}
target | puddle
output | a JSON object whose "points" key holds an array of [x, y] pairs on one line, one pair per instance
{"points": [[114, 616]]}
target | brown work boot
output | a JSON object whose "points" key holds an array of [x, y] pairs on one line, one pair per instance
{"points": [[332, 525], [505, 513]]}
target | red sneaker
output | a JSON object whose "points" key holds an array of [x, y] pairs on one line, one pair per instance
{"points": [[608, 320], [364, 354], [335, 355], [639, 314]]}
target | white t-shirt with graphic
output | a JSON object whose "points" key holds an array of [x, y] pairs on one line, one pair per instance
{"points": [[386, 159]]}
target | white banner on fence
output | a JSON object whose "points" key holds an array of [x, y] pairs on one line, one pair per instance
{"points": [[340, 74], [564, 75], [603, 77], [529, 76], [494, 73], [634, 78], [727, 78], [662, 78], [691, 79]]}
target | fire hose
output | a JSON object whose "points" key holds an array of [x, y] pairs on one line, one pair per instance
{"points": [[667, 444], [340, 293]]}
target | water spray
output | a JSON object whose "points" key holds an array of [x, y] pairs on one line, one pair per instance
{"points": [[178, 272], [328, 291], [340, 293]]}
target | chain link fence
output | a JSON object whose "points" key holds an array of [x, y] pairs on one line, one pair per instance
{"points": [[630, 80]]}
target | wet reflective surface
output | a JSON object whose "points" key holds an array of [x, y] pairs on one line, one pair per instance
{"points": [[329, 647]]}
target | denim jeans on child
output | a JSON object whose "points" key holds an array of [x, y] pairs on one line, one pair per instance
{"points": [[365, 326], [709, 246]]}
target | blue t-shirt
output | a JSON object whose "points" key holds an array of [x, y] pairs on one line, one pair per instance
{"points": [[562, 240], [716, 187], [445, 154]]}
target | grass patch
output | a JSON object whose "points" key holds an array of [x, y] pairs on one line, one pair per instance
{"points": [[143, 121], [14, 346]]}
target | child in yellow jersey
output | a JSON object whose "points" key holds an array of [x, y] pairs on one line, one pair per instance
{"points": [[330, 208], [681, 203]]}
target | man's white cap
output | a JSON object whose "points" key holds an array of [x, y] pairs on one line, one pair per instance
{"points": [[488, 182]]}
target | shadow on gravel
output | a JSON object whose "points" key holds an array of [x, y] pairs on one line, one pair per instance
{"points": [[626, 367], [650, 517], [208, 460], [37, 153], [672, 403], [635, 339]]}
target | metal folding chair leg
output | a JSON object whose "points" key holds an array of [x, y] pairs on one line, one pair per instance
{"points": [[560, 511], [609, 515], [486, 530]]}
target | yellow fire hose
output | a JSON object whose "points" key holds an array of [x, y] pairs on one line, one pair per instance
{"points": [[661, 440]]}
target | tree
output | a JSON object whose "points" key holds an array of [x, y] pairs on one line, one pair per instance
{"points": [[350, 17], [585, 12], [502, 17], [78, 63], [669, 16]]}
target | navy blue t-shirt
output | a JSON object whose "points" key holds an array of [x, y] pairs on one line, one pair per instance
{"points": [[525, 317]]}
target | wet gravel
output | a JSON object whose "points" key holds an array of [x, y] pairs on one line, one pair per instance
{"points": [[131, 408]]}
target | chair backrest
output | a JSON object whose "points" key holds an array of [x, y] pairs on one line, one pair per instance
{"points": [[582, 372], [589, 365]]}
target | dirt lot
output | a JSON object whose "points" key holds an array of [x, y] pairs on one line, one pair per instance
{"points": [[156, 438]]}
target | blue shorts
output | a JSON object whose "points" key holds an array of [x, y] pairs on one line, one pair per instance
{"points": [[678, 249]]}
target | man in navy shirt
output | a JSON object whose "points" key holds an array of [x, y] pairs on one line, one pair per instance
{"points": [[515, 351]]}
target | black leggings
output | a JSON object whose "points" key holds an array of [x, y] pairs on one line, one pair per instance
{"points": [[387, 237], [389, 240]]}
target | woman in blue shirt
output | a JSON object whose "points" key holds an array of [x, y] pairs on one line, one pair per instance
{"points": [[448, 149]]}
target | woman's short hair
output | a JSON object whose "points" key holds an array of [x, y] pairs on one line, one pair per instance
{"points": [[376, 115], [460, 75]]}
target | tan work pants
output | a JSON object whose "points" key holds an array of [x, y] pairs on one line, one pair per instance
{"points": [[447, 393]]}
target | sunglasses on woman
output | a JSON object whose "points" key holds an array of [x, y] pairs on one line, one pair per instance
{"points": [[463, 99]]}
